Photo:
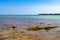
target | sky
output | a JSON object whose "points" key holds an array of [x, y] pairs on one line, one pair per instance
{"points": [[29, 7]]}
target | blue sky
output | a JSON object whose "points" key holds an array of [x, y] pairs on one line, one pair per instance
{"points": [[29, 7]]}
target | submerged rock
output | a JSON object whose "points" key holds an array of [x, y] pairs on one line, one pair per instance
{"points": [[36, 28], [2, 38]]}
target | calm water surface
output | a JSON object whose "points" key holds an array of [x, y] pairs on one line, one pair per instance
{"points": [[26, 20]]}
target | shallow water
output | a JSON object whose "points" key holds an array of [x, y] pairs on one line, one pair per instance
{"points": [[27, 20]]}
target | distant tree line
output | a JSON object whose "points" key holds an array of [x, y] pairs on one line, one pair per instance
{"points": [[49, 14]]}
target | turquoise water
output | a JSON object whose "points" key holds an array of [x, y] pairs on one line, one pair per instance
{"points": [[27, 20], [30, 20], [31, 16]]}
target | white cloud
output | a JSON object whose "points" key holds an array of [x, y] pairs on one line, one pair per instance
{"points": [[41, 9]]}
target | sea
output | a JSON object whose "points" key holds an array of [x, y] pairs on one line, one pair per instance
{"points": [[28, 20]]}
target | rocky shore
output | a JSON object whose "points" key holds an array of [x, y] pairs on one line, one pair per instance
{"points": [[40, 31]]}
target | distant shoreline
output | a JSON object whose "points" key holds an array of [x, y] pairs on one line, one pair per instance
{"points": [[48, 14]]}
